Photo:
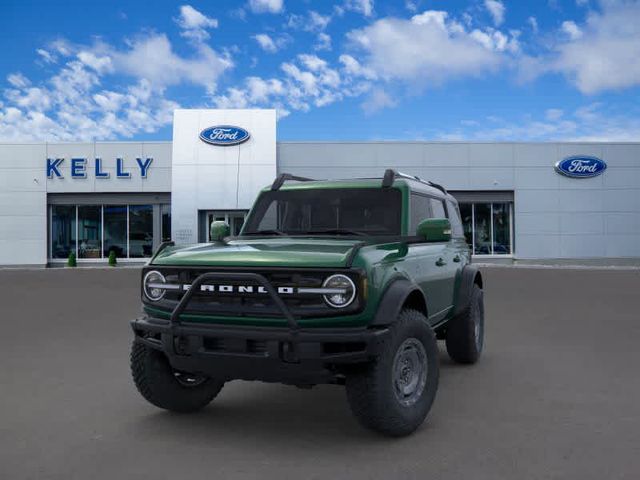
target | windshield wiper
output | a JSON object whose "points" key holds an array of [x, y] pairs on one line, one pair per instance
{"points": [[266, 232], [336, 231]]}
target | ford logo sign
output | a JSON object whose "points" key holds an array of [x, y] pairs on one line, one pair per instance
{"points": [[581, 167], [224, 135]]}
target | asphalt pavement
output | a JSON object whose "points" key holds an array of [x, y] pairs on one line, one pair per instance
{"points": [[556, 394]]}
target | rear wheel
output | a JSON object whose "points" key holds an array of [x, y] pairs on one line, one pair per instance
{"points": [[166, 388], [465, 334], [394, 394]]}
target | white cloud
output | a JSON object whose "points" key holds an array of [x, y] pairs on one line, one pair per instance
{"points": [[533, 22], [496, 40], [571, 29], [100, 63], [365, 7], [152, 58], [47, 56], [430, 48], [411, 5], [590, 123], [18, 80], [378, 100], [317, 21], [324, 42], [352, 67], [270, 44], [307, 81], [497, 10], [602, 54], [266, 42], [553, 114], [266, 6], [194, 23], [312, 22], [72, 104]]}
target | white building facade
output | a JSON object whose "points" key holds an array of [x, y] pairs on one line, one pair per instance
{"points": [[90, 199]]}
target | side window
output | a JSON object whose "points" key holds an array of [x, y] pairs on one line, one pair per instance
{"points": [[454, 218], [437, 207], [419, 211]]}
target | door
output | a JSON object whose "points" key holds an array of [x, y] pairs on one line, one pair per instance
{"points": [[449, 262], [235, 219], [431, 264]]}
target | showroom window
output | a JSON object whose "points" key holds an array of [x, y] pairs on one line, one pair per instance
{"points": [[89, 231], [488, 227], [94, 231], [63, 230], [140, 231], [165, 211], [115, 231]]}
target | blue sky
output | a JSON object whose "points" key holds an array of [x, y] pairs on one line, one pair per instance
{"points": [[335, 70]]}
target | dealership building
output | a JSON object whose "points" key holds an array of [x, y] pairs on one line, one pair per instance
{"points": [[519, 201]]}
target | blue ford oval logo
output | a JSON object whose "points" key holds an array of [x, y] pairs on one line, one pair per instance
{"points": [[581, 166], [224, 135]]}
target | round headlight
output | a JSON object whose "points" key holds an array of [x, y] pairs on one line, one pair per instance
{"points": [[344, 291], [152, 285]]}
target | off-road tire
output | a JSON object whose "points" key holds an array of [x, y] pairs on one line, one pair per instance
{"points": [[371, 392], [462, 344], [156, 381]]}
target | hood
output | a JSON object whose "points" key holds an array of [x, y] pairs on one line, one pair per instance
{"points": [[264, 252]]}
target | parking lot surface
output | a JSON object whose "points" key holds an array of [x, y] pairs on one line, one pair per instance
{"points": [[556, 394]]}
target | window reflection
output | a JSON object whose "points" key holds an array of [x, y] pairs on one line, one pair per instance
{"points": [[166, 222], [482, 229], [140, 231], [89, 231], [467, 221], [115, 230], [128, 230], [501, 229], [487, 227], [63, 230]]}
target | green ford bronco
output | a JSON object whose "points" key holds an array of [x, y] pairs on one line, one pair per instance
{"points": [[348, 282]]}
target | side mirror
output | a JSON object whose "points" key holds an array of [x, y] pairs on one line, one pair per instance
{"points": [[219, 230], [434, 229]]}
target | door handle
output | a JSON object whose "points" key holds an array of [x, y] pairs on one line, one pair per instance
{"points": [[456, 259], [440, 262]]}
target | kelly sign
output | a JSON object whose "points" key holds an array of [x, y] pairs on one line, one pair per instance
{"points": [[78, 168]]}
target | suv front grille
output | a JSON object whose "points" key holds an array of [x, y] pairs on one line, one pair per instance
{"points": [[237, 298]]}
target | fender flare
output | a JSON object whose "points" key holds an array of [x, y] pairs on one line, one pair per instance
{"points": [[470, 276], [393, 298]]}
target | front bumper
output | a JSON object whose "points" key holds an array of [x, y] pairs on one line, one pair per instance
{"points": [[272, 354]]}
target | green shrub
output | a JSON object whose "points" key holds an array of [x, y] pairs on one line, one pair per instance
{"points": [[71, 262], [112, 258]]}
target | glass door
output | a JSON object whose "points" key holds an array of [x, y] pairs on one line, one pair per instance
{"points": [[234, 219]]}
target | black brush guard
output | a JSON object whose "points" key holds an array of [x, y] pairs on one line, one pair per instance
{"points": [[294, 355]]}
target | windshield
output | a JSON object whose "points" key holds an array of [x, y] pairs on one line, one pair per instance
{"points": [[335, 211]]}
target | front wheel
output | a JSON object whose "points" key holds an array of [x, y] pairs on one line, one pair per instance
{"points": [[394, 394], [167, 388]]}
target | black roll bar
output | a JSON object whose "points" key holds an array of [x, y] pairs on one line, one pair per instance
{"points": [[390, 175], [279, 181]]}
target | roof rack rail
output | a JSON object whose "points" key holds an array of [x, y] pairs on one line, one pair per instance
{"points": [[283, 177], [390, 175]]}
